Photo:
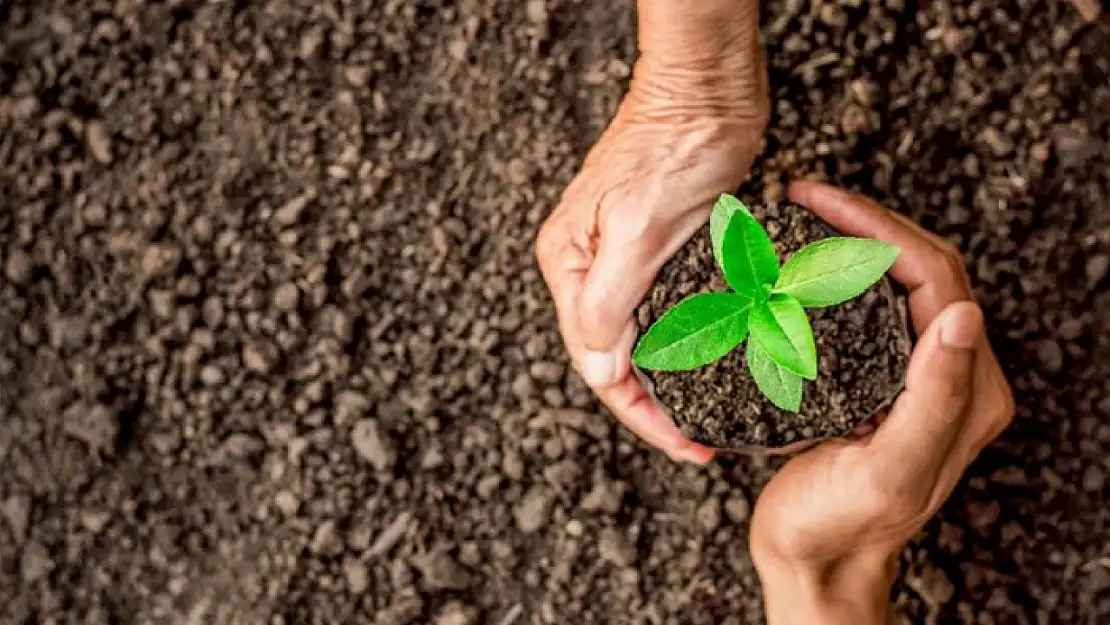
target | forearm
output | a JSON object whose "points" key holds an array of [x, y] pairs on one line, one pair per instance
{"points": [[856, 593], [704, 53], [705, 32]]}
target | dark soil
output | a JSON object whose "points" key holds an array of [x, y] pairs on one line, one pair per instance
{"points": [[274, 348], [862, 350]]}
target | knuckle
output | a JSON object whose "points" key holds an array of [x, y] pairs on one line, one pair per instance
{"points": [[782, 529], [936, 267], [886, 496], [906, 503], [951, 260], [546, 243], [956, 267], [950, 250], [1005, 407], [592, 308], [950, 403], [945, 268], [791, 537]]}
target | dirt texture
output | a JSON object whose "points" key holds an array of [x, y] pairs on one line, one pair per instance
{"points": [[275, 349], [863, 348]]}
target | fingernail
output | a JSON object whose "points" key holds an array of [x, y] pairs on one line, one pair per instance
{"points": [[697, 454], [961, 325], [599, 368]]}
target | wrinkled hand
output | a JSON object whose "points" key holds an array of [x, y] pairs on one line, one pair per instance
{"points": [[828, 528], [684, 134]]}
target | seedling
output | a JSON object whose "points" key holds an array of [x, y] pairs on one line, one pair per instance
{"points": [[766, 305]]}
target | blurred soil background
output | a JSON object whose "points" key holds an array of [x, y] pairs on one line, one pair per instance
{"points": [[274, 348]]}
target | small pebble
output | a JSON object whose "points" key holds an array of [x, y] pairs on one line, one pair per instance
{"points": [[536, 10], [287, 502], [260, 356], [391, 535], [291, 211], [95, 520], [98, 141], [1050, 356], [325, 539], [999, 144], [357, 75], [372, 444], [1097, 267], [709, 515], [534, 509], [239, 446], [95, 425], [212, 375], [1094, 479], [614, 547], [456, 613], [16, 512], [160, 259], [35, 562], [349, 406], [357, 575], [546, 372], [441, 572], [737, 508], [287, 297], [18, 267]]}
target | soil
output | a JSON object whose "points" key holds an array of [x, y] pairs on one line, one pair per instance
{"points": [[863, 348], [275, 349]]}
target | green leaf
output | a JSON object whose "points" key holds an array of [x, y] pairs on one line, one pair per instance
{"points": [[781, 327], [834, 270], [718, 220], [783, 388], [697, 331], [749, 259]]}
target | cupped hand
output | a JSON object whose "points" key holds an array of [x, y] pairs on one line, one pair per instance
{"points": [[681, 138], [828, 527]]}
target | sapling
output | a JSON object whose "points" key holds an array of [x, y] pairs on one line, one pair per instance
{"points": [[766, 306]]}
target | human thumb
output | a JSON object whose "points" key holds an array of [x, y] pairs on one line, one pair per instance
{"points": [[623, 270], [927, 417]]}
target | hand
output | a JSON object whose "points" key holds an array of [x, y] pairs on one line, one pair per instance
{"points": [[687, 131], [829, 526]]}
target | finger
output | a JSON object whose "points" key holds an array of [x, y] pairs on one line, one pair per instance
{"points": [[857, 215], [627, 259], [564, 262], [641, 413], [992, 407], [941, 245], [926, 420], [862, 432], [933, 275]]}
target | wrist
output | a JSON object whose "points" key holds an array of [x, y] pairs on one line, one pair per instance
{"points": [[701, 33], [701, 57], [855, 592]]}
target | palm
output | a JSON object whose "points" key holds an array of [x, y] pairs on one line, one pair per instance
{"points": [[828, 502]]}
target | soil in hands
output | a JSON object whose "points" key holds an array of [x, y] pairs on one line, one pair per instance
{"points": [[862, 346]]}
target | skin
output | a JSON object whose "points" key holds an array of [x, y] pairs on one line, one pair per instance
{"points": [[828, 527], [687, 131]]}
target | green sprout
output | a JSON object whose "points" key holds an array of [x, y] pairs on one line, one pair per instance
{"points": [[767, 302]]}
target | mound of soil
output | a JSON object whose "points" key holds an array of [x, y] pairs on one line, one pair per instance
{"points": [[863, 348]]}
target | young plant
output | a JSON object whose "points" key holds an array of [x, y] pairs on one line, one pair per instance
{"points": [[766, 305]]}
